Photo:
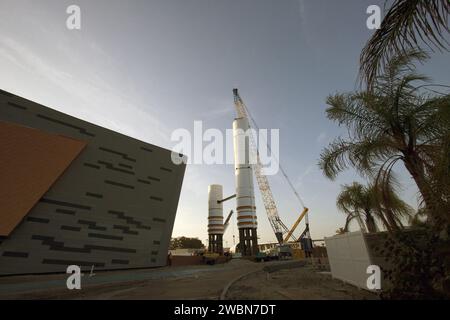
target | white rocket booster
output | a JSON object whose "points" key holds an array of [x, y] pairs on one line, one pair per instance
{"points": [[245, 195], [215, 210]]}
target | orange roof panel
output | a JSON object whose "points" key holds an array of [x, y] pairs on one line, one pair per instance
{"points": [[31, 161]]}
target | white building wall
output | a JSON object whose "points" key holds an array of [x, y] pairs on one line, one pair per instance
{"points": [[349, 258]]}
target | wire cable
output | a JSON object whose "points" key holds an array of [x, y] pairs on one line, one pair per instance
{"points": [[291, 185]]}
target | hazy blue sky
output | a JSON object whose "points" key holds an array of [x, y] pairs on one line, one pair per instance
{"points": [[145, 68]]}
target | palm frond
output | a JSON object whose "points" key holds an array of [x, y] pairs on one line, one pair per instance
{"points": [[386, 197], [363, 155], [408, 24], [334, 158], [355, 111]]}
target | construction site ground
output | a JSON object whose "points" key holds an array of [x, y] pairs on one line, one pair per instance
{"points": [[242, 279], [298, 283]]}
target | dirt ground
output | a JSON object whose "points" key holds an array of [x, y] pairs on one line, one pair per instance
{"points": [[187, 283], [304, 283], [178, 283]]}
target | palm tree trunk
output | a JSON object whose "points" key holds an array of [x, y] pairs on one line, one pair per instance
{"points": [[381, 215], [391, 219], [362, 226], [370, 222], [347, 223]]}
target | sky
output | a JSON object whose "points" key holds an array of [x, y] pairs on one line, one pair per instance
{"points": [[148, 67]]}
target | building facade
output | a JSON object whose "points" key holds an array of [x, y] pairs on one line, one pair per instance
{"points": [[73, 193]]}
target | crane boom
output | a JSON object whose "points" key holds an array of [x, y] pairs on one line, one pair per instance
{"points": [[300, 218], [277, 225]]}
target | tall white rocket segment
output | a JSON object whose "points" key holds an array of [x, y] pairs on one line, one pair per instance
{"points": [[215, 218], [245, 194]]}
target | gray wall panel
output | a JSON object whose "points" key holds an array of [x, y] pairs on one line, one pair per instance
{"points": [[110, 207]]}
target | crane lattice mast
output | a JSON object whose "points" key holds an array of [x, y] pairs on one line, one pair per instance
{"points": [[277, 225]]}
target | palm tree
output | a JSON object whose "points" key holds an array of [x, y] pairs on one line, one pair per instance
{"points": [[356, 201], [396, 121], [362, 203], [407, 25]]}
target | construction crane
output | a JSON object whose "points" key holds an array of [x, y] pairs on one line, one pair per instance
{"points": [[276, 223], [300, 218]]}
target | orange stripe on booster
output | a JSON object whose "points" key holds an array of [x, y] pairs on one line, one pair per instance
{"points": [[246, 217], [246, 207], [247, 223]]}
